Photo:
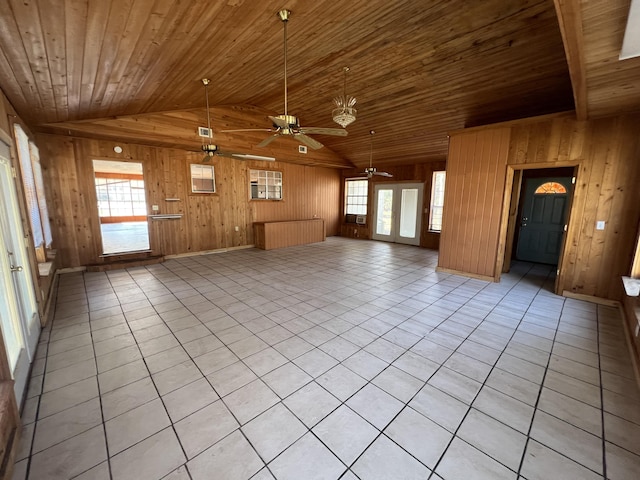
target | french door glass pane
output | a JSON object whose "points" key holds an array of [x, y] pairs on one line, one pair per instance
{"points": [[408, 211], [384, 212]]}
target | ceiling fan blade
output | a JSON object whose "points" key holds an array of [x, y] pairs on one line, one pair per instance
{"points": [[338, 132], [308, 141], [268, 140], [383, 174], [250, 130], [220, 153], [279, 122]]}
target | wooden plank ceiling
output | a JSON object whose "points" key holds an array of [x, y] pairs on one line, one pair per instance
{"points": [[418, 69]]}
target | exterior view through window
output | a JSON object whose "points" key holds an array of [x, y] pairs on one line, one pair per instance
{"points": [[357, 191], [437, 201], [265, 185]]}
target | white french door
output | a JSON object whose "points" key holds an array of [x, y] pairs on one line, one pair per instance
{"points": [[19, 318], [397, 212]]}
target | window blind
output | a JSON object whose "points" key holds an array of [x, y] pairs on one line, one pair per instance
{"points": [[28, 181], [42, 199]]}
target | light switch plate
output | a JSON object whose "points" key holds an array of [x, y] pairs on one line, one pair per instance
{"points": [[600, 225]]}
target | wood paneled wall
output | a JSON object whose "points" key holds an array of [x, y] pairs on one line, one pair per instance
{"points": [[476, 173], [419, 172], [607, 154], [208, 221]]}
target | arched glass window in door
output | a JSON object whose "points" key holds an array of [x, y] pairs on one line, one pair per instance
{"points": [[551, 188]]}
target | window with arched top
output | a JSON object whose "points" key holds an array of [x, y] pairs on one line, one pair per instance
{"points": [[551, 187]]}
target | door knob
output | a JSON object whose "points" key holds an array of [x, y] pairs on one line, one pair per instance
{"points": [[16, 269]]}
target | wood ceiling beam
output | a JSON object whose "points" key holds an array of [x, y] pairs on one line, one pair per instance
{"points": [[178, 130], [569, 14]]}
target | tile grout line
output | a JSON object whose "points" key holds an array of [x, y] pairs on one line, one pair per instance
{"points": [[493, 367], [535, 407], [95, 359], [601, 391]]}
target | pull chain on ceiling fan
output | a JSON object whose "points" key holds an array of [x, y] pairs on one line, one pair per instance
{"points": [[371, 170]]}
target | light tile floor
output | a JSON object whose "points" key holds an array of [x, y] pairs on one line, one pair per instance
{"points": [[124, 237], [345, 359]]}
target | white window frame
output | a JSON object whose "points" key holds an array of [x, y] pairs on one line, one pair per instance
{"points": [[349, 207], [33, 186], [265, 185], [201, 173], [438, 180]]}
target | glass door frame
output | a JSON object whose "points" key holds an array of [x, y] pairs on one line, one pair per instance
{"points": [[22, 327], [396, 212], [128, 167]]}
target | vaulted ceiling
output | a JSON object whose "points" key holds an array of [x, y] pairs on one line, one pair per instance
{"points": [[418, 69]]}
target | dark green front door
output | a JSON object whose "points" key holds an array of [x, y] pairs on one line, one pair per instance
{"points": [[542, 223]]}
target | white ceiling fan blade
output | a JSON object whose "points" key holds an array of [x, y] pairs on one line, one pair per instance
{"points": [[249, 156], [268, 140], [308, 141], [220, 153], [338, 132], [383, 174]]}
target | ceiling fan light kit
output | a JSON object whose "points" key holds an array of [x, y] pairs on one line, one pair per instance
{"points": [[370, 171], [344, 114]]}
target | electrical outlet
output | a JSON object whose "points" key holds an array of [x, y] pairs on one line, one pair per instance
{"points": [[302, 149], [600, 225], [237, 228], [155, 208]]}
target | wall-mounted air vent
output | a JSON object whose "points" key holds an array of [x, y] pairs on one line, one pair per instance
{"points": [[204, 132]]}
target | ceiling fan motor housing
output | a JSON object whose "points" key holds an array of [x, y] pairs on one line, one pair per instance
{"points": [[210, 149], [290, 120]]}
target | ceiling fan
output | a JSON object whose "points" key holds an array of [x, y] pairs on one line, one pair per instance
{"points": [[211, 149], [370, 171], [289, 125]]}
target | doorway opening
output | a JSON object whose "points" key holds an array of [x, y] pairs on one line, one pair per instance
{"points": [[397, 212], [122, 206], [539, 210]]}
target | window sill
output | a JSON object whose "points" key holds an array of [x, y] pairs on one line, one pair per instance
{"points": [[631, 286], [45, 268]]}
